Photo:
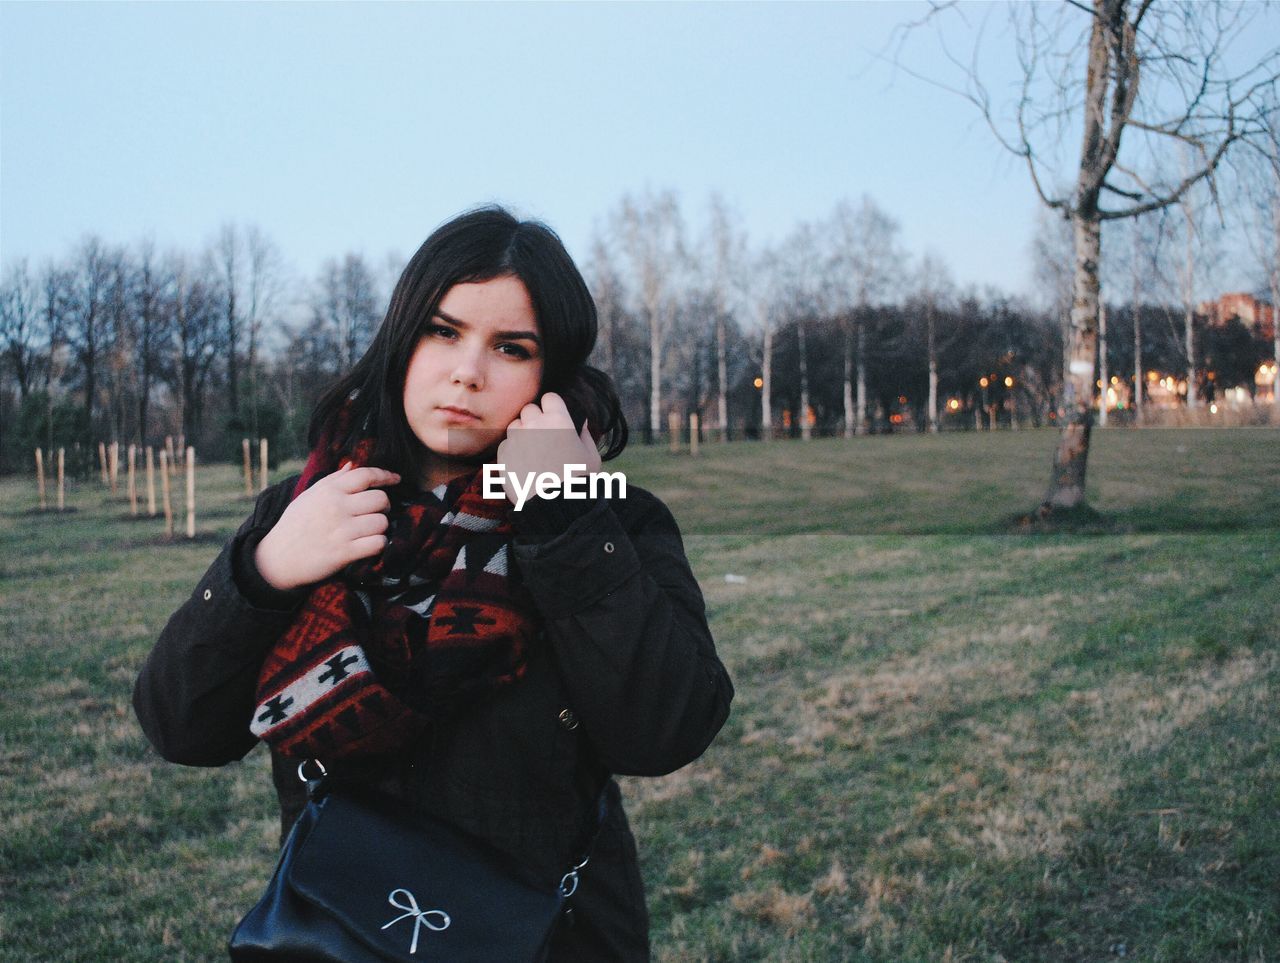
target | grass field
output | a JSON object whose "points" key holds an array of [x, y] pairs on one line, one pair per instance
{"points": [[951, 740]]}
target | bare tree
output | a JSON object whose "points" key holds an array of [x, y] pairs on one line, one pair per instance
{"points": [[151, 291], [865, 258], [802, 274], [1260, 178], [1052, 269], [606, 291], [763, 295], [933, 288], [726, 258], [228, 252], [56, 290], [1160, 73], [20, 325], [87, 317], [266, 286], [196, 337], [1188, 279], [121, 328], [1272, 271], [650, 232], [347, 306], [1142, 254]]}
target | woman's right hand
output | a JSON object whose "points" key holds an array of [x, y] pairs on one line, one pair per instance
{"points": [[339, 519]]}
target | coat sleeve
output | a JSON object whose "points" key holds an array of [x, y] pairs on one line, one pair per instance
{"points": [[195, 693], [628, 630]]}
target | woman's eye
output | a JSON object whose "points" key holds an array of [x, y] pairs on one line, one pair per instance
{"points": [[514, 350], [440, 330]]}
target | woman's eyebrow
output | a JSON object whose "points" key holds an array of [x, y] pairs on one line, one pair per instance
{"points": [[505, 335]]}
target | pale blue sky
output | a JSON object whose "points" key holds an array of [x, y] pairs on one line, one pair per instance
{"points": [[345, 126]]}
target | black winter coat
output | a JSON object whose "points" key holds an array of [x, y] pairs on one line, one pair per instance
{"points": [[626, 681]]}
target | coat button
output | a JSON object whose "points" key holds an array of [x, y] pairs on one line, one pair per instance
{"points": [[608, 548], [568, 719], [207, 595]]}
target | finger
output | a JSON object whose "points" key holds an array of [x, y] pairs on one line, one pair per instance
{"points": [[367, 546], [360, 479], [553, 405], [531, 412], [372, 501], [363, 526]]}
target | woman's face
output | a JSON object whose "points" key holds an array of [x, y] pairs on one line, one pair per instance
{"points": [[477, 364]]}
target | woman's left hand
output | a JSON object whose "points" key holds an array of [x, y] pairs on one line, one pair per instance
{"points": [[543, 440]]}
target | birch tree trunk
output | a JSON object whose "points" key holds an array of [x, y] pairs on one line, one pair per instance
{"points": [[805, 431], [1274, 278], [1097, 154], [848, 379], [766, 376], [1070, 460], [1103, 372], [655, 368], [860, 413], [1189, 310], [722, 403], [1275, 337], [931, 338], [1139, 383]]}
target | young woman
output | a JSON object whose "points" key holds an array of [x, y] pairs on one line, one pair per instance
{"points": [[491, 667]]}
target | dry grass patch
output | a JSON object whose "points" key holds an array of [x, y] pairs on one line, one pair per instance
{"points": [[790, 912], [639, 793], [1051, 775]]}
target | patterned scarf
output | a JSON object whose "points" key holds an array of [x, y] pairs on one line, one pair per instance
{"points": [[395, 641]]}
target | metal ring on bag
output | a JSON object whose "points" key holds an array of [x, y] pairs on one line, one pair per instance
{"points": [[319, 765], [569, 884]]}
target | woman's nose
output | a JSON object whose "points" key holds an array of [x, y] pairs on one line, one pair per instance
{"points": [[468, 369]]}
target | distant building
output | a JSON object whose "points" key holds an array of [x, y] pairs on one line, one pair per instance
{"points": [[1258, 316]]}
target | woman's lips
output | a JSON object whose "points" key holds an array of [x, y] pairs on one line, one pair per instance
{"points": [[460, 415]]}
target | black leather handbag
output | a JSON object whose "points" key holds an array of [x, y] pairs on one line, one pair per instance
{"points": [[359, 880]]}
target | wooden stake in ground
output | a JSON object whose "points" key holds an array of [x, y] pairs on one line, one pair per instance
{"points": [[62, 479], [133, 480], [40, 478], [173, 458], [191, 493], [673, 430], [263, 463], [114, 462], [693, 433], [168, 501], [102, 460], [248, 467], [151, 483]]}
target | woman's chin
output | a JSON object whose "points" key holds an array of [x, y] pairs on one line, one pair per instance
{"points": [[457, 459]]}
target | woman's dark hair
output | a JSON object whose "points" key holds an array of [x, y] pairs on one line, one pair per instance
{"points": [[479, 245]]}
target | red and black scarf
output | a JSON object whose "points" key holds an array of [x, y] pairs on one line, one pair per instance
{"points": [[395, 641]]}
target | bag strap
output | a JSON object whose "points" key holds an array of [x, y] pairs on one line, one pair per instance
{"points": [[318, 785], [569, 882]]}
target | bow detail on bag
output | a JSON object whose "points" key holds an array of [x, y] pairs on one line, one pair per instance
{"points": [[421, 917]]}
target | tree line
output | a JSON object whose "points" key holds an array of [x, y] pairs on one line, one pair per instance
{"points": [[835, 329]]}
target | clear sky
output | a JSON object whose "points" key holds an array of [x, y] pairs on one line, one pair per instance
{"points": [[342, 127]]}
